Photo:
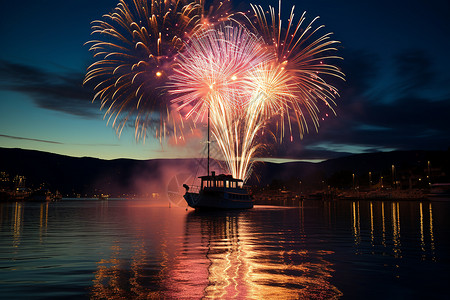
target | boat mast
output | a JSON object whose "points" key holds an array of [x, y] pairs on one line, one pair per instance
{"points": [[208, 144]]}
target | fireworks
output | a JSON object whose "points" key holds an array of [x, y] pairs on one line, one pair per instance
{"points": [[134, 51], [215, 65], [170, 61], [303, 58]]}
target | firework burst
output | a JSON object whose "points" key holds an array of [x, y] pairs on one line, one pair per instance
{"points": [[303, 55], [215, 65], [134, 51]]}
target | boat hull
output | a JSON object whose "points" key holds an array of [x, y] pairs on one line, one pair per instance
{"points": [[218, 200]]}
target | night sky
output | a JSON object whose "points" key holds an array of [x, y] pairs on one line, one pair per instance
{"points": [[396, 95]]}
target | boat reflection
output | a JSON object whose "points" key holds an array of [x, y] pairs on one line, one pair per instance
{"points": [[220, 255], [226, 255], [244, 262]]}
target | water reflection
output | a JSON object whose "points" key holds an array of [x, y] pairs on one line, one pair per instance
{"points": [[245, 261], [222, 255], [390, 216], [17, 224], [396, 230], [431, 231], [356, 223], [125, 250], [43, 221], [124, 278]]}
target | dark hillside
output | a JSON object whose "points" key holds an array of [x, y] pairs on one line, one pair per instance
{"points": [[90, 176]]}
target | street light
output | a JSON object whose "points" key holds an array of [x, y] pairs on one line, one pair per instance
{"points": [[393, 176], [353, 180]]}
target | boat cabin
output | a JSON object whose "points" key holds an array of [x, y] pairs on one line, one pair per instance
{"points": [[220, 181]]}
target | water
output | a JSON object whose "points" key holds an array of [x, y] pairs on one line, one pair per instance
{"points": [[120, 249]]}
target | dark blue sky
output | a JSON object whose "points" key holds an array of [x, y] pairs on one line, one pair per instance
{"points": [[396, 97]]}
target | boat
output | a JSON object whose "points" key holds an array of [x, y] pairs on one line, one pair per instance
{"points": [[221, 192], [40, 195]]}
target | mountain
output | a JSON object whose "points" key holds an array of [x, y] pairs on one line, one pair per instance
{"points": [[402, 166], [128, 177], [90, 176]]}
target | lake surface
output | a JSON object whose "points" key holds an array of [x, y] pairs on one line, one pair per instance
{"points": [[118, 249]]}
